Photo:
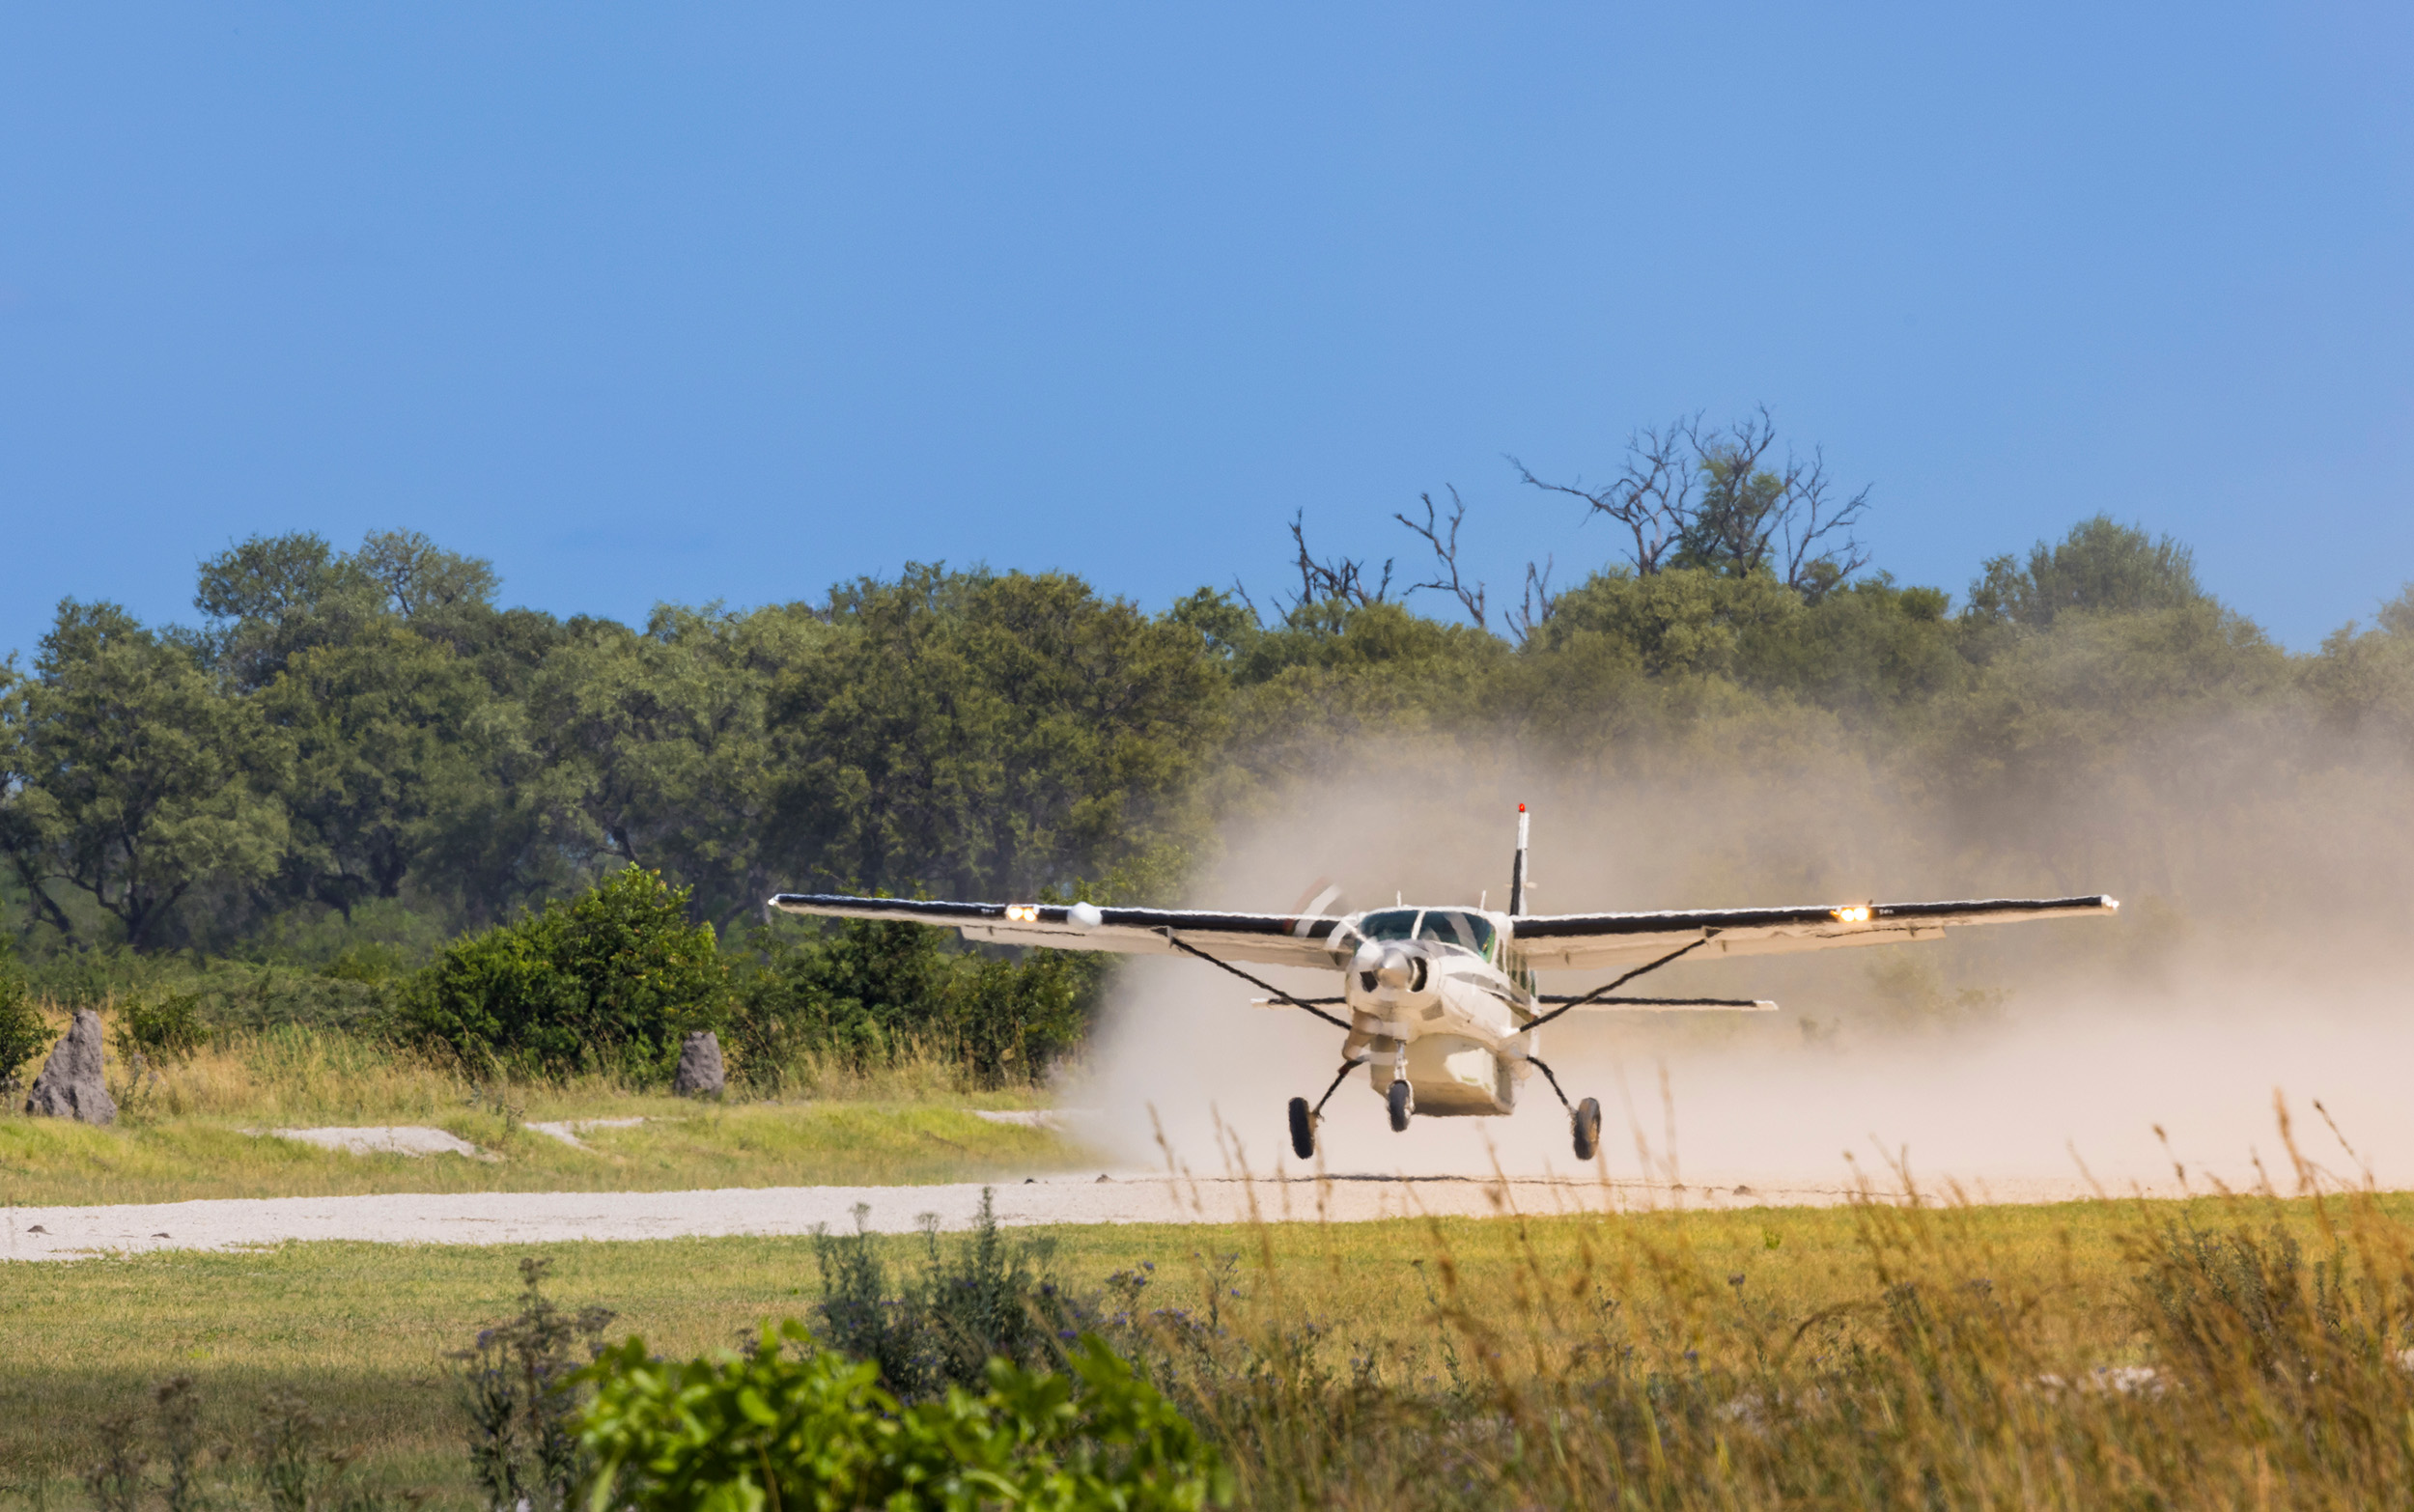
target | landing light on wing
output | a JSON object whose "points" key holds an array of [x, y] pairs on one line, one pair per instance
{"points": [[1858, 914], [1021, 912]]}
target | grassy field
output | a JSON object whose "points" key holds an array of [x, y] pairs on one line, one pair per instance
{"points": [[191, 1130], [2218, 1353], [1346, 1361]]}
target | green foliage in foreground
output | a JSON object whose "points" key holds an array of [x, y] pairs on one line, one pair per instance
{"points": [[2215, 1354], [791, 1426], [611, 982], [936, 1329]]}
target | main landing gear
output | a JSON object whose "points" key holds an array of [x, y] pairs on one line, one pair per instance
{"points": [[1303, 1129], [1303, 1119], [1400, 1102], [1588, 1121], [1585, 1117]]}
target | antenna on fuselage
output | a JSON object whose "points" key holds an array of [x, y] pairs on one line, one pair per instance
{"points": [[1517, 871]]}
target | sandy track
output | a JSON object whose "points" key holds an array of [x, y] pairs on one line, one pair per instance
{"points": [[556, 1218]]}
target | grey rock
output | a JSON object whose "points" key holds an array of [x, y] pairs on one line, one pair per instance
{"points": [[71, 1085], [700, 1072]]}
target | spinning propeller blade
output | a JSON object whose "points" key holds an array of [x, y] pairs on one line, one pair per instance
{"points": [[1323, 896]]}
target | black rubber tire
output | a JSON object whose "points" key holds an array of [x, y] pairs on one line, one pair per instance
{"points": [[1588, 1121], [1303, 1129], [1402, 1103]]}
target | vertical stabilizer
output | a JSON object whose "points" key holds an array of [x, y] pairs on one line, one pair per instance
{"points": [[1517, 871]]}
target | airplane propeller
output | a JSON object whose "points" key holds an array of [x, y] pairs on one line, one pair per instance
{"points": [[1322, 897]]}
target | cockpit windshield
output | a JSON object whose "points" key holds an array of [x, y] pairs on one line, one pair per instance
{"points": [[1447, 926], [1451, 927], [1390, 924]]}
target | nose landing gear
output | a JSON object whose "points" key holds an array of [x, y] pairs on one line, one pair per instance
{"points": [[1401, 1102]]}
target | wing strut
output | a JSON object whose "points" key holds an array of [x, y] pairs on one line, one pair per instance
{"points": [[1347, 1067], [1599, 993], [1269, 988], [1545, 1069]]}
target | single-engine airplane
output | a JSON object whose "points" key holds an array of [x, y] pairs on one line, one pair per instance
{"points": [[1442, 1002]]}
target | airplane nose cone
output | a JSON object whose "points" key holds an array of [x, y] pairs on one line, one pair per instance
{"points": [[1380, 963]]}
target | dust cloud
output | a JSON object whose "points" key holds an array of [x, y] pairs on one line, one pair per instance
{"points": [[2263, 946]]}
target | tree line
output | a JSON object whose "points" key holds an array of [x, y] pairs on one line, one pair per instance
{"points": [[365, 743]]}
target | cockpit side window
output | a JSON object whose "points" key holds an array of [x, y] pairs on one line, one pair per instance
{"points": [[1390, 924]]}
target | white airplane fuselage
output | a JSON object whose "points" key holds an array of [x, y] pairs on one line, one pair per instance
{"points": [[1441, 1013]]}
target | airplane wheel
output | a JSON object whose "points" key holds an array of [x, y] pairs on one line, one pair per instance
{"points": [[1303, 1129], [1399, 1100], [1587, 1128]]}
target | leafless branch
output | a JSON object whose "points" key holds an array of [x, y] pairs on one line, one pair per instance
{"points": [[1534, 606], [1652, 497], [1810, 566], [1343, 577], [1445, 545], [1689, 497]]}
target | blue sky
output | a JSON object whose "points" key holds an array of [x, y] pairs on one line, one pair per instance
{"points": [[732, 303]]}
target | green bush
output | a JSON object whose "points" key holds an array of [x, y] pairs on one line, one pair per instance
{"points": [[23, 1035], [520, 1387], [812, 1430], [865, 991], [984, 1298], [609, 982], [163, 1029]]}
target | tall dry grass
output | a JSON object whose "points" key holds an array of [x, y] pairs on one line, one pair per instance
{"points": [[291, 1072], [2232, 1351], [2242, 1351]]}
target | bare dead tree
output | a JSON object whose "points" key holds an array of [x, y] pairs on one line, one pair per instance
{"points": [[1342, 578], [1445, 542], [1691, 497], [1735, 514], [1535, 605], [1754, 516], [1652, 497], [1812, 564]]}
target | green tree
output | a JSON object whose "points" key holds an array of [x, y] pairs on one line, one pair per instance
{"points": [[1334, 674], [517, 834], [2101, 566], [387, 734], [989, 735], [131, 778], [1680, 622], [2363, 681], [667, 733], [443, 596], [271, 596]]}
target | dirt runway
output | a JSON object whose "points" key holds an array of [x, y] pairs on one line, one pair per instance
{"points": [[555, 1217]]}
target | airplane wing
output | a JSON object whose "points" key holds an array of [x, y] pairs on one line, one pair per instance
{"points": [[1563, 941], [1265, 938]]}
